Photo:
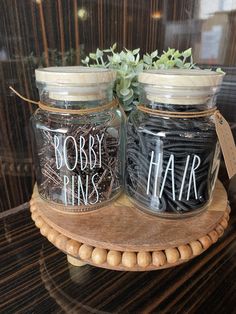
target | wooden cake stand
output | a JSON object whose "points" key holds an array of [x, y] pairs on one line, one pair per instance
{"points": [[120, 237]]}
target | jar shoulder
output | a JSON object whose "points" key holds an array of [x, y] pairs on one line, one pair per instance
{"points": [[42, 118], [144, 122]]}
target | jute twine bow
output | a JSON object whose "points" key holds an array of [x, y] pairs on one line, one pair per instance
{"points": [[113, 104], [176, 114]]}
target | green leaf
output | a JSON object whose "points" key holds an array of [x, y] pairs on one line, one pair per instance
{"points": [[99, 53], [147, 59], [135, 51], [86, 60], [187, 65], [130, 76], [124, 68], [219, 70], [130, 56], [176, 54], [135, 84], [110, 58], [129, 96], [163, 58], [124, 91], [187, 53], [179, 63], [92, 56], [126, 83], [114, 46], [123, 56], [162, 66], [170, 64], [170, 51], [139, 68], [115, 58], [154, 54]]}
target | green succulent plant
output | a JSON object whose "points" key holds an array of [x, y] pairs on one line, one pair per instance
{"points": [[128, 65]]}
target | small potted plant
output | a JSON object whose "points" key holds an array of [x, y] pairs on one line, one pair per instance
{"points": [[128, 64]]}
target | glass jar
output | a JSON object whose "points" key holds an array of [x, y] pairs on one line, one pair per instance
{"points": [[78, 133], [173, 154]]}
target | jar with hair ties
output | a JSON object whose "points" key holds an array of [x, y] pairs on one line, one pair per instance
{"points": [[78, 131], [173, 154]]}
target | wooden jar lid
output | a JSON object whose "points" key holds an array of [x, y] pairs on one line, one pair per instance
{"points": [[75, 83], [181, 78], [74, 75]]}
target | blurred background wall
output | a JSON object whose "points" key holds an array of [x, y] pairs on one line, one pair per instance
{"points": [[37, 33]]}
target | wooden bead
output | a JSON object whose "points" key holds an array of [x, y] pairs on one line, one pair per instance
{"points": [[185, 252], [34, 215], [85, 251], [220, 230], [144, 259], [72, 247], [213, 235], [45, 229], [99, 256], [39, 222], [226, 216], [33, 207], [158, 258], [196, 247], [129, 259], [114, 258], [32, 202], [205, 241], [224, 223], [172, 255], [52, 235], [228, 210], [61, 241]]}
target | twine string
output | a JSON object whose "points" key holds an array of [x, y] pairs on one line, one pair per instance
{"points": [[113, 104], [176, 114], [22, 97]]}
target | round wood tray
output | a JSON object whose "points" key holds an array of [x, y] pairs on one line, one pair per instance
{"points": [[121, 237]]}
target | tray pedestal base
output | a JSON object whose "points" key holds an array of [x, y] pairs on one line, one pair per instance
{"points": [[75, 261]]}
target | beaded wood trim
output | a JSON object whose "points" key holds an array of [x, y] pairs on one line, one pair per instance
{"points": [[127, 260]]}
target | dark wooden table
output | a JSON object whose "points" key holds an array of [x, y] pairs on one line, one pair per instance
{"points": [[36, 278]]}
